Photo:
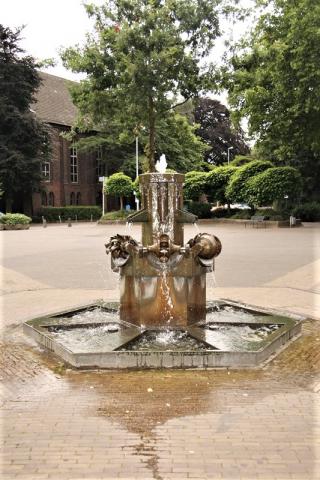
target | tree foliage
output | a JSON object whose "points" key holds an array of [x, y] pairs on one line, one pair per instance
{"points": [[195, 185], [274, 184], [119, 185], [176, 138], [143, 56], [217, 181], [273, 79], [23, 140], [236, 190], [216, 129]]}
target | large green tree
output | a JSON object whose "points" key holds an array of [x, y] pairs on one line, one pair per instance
{"points": [[273, 79], [145, 57], [23, 140]]}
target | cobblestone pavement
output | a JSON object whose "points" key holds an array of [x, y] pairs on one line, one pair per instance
{"points": [[62, 424]]}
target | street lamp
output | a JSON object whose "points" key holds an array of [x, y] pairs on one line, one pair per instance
{"points": [[229, 148], [137, 171]]}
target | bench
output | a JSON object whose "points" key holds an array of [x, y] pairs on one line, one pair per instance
{"points": [[256, 220]]}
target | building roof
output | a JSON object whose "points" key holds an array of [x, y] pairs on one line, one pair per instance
{"points": [[54, 103]]}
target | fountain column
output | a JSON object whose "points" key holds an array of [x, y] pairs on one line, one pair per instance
{"points": [[162, 282]]}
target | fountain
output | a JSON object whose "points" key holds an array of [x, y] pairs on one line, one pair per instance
{"points": [[163, 319]]}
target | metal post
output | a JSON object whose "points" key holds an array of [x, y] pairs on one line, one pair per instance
{"points": [[137, 169], [103, 199], [229, 148], [137, 157]]}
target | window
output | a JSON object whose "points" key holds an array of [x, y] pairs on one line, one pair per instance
{"points": [[73, 165], [51, 199], [78, 200], [45, 171], [72, 198], [100, 166], [44, 200]]}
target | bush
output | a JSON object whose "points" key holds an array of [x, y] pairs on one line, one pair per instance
{"points": [[307, 212], [240, 160], [195, 185], [242, 214], [272, 214], [15, 219], [51, 214], [272, 185], [116, 215], [236, 190], [202, 210], [217, 181], [222, 212]]}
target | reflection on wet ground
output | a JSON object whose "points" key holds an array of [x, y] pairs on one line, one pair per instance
{"points": [[63, 424]]}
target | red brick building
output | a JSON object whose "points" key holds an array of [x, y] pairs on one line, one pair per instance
{"points": [[70, 177]]}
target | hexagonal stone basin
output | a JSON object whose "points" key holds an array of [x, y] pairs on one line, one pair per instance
{"points": [[233, 335]]}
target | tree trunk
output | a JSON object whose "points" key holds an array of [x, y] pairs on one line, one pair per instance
{"points": [[9, 202], [121, 203], [152, 136]]}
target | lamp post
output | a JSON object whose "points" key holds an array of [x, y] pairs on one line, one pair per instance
{"points": [[137, 170], [229, 148], [101, 179]]}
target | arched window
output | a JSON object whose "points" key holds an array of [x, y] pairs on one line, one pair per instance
{"points": [[44, 199], [78, 200], [72, 198], [51, 199]]}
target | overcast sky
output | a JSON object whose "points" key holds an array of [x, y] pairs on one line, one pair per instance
{"points": [[52, 24]]}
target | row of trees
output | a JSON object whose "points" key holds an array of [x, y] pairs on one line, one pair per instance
{"points": [[257, 183], [145, 69]]}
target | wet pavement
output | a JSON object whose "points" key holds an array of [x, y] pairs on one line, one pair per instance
{"points": [[239, 424]]}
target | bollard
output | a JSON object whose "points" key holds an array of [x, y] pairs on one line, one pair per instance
{"points": [[60, 219], [44, 222], [91, 218], [69, 222], [76, 218]]}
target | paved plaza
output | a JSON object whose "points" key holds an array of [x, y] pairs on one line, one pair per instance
{"points": [[61, 424]]}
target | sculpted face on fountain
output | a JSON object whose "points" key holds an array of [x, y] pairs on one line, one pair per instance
{"points": [[162, 263]]}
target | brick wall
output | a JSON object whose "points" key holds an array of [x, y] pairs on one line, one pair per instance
{"points": [[60, 187]]}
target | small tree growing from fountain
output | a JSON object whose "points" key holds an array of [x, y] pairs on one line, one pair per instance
{"points": [[145, 55]]}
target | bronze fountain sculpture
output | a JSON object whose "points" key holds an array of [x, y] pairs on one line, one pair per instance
{"points": [[162, 281]]}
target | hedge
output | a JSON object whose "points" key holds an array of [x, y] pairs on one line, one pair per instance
{"points": [[15, 219], [308, 212], [202, 210], [51, 214]]}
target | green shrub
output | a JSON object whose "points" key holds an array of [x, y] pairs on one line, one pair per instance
{"points": [[217, 181], [272, 214], [307, 212], [195, 185], [236, 190], [273, 185], [241, 214], [240, 160], [116, 215], [51, 214], [202, 210], [15, 219], [222, 212]]}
